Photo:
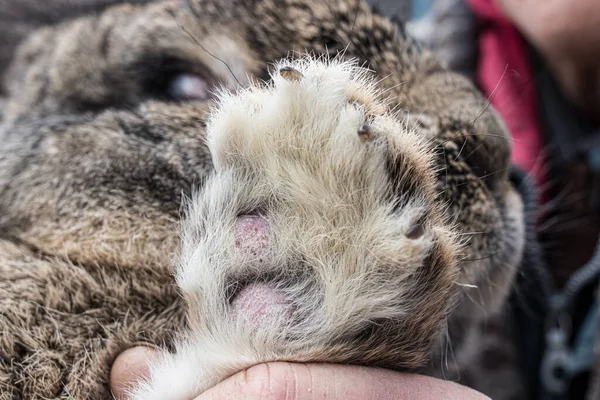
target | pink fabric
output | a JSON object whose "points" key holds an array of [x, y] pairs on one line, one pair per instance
{"points": [[504, 76]]}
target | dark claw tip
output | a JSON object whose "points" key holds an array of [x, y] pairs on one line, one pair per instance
{"points": [[415, 231], [365, 133], [290, 74]]}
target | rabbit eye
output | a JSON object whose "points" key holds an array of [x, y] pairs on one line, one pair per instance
{"points": [[188, 87]]}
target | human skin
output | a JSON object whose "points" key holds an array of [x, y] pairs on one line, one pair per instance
{"points": [[289, 381], [566, 34]]}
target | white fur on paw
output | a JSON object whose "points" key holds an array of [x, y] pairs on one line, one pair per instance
{"points": [[280, 247]]}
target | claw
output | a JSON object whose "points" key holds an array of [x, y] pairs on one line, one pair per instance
{"points": [[415, 231], [365, 133], [290, 74]]}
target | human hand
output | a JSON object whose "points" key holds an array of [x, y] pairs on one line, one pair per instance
{"points": [[290, 381], [565, 33]]}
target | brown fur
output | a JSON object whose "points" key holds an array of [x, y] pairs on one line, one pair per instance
{"points": [[95, 165]]}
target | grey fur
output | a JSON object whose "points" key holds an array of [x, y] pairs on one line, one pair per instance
{"points": [[94, 170]]}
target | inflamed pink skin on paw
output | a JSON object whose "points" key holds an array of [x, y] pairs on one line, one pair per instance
{"points": [[252, 235], [257, 303]]}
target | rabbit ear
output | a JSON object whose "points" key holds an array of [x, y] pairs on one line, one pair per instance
{"points": [[18, 18]]}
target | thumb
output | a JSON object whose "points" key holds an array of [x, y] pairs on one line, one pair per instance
{"points": [[129, 367], [288, 381]]}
